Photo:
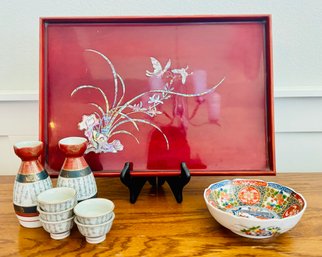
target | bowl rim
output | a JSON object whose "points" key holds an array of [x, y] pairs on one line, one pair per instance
{"points": [[52, 213], [40, 201], [258, 220], [78, 205], [57, 222], [70, 141], [96, 225], [28, 144]]}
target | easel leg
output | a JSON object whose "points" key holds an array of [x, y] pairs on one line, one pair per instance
{"points": [[178, 183], [135, 184]]}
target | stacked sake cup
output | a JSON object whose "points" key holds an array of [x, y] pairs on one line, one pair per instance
{"points": [[55, 207], [94, 218]]}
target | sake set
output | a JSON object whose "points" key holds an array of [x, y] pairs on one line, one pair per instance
{"points": [[248, 207], [38, 204]]}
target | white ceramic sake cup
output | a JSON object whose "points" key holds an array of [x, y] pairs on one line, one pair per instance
{"points": [[57, 199], [55, 216], [95, 234], [58, 229], [94, 211]]}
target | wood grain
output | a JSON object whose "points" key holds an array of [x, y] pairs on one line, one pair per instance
{"points": [[156, 225]]}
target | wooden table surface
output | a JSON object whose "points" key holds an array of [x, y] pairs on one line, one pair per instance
{"points": [[156, 225]]}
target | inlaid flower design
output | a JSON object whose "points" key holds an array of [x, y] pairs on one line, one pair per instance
{"points": [[102, 127]]}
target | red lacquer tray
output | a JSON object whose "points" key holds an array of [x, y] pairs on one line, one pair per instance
{"points": [[158, 91]]}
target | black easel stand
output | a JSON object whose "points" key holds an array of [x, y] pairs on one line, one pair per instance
{"points": [[136, 183]]}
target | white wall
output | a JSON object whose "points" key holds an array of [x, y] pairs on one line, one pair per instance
{"points": [[297, 41]]}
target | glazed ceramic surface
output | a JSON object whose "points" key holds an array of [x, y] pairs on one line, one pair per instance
{"points": [[95, 233], [58, 229], [75, 172], [31, 180], [94, 211], [57, 199], [55, 216], [254, 208]]}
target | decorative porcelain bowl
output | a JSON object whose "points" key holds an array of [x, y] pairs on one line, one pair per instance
{"points": [[95, 233], [55, 216], [94, 211], [254, 208], [58, 229], [57, 199]]}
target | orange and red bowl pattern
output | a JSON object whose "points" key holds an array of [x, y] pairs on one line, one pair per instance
{"points": [[251, 202]]}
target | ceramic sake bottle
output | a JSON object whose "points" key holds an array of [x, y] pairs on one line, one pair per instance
{"points": [[75, 171], [30, 181]]}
